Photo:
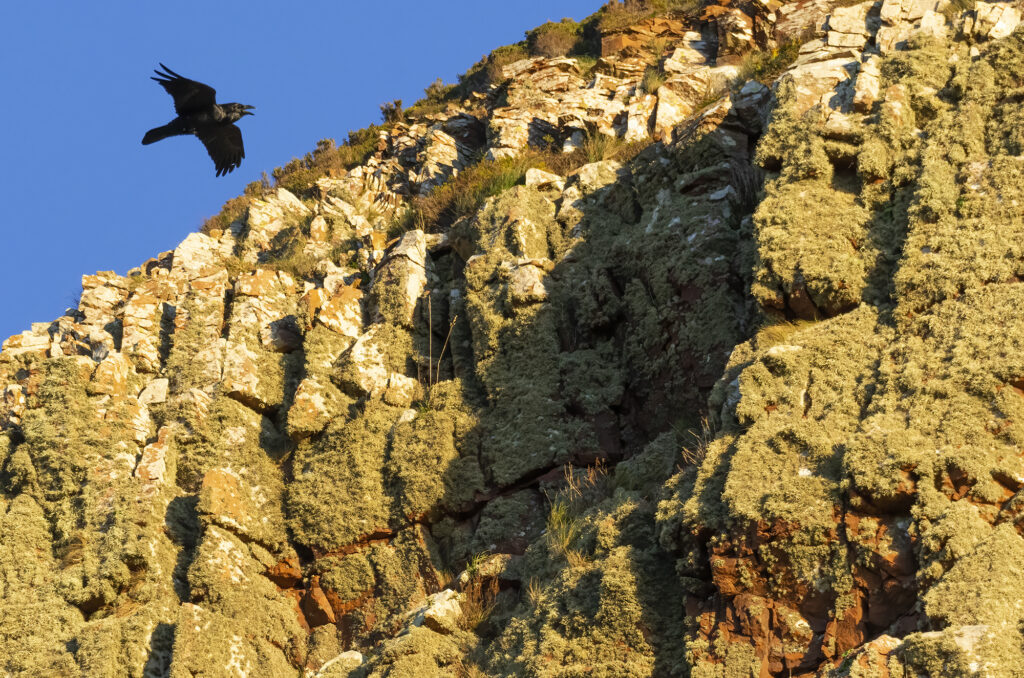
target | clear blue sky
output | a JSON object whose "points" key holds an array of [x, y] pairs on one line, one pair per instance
{"points": [[79, 193]]}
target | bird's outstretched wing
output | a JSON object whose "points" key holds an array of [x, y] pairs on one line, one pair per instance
{"points": [[224, 144], [189, 96]]}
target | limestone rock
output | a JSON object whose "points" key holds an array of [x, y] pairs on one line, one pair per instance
{"points": [[541, 179], [27, 343], [267, 217], [112, 376], [694, 51], [866, 89], [817, 84], [995, 20], [638, 123], [527, 284], [152, 469], [795, 19], [639, 35], [401, 279], [852, 26], [242, 376], [198, 255], [735, 30], [366, 360], [443, 612], [311, 408]]}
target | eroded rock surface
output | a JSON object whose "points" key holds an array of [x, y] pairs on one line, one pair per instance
{"points": [[747, 403]]}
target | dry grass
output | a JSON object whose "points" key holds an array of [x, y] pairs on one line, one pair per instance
{"points": [[562, 527], [465, 193], [653, 78], [697, 450], [479, 596], [779, 332], [299, 175], [533, 592]]}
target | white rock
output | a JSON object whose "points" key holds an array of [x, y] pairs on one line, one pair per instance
{"points": [[154, 392]]}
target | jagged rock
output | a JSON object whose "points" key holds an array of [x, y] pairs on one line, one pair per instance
{"points": [[512, 129], [625, 68], [365, 372], [797, 19], [241, 378], [267, 217], [341, 312], [198, 255], [527, 284], [852, 26], [142, 323], [904, 20], [335, 206], [995, 20], [694, 51], [542, 74], [310, 411], [401, 279], [640, 35], [440, 160], [153, 466], [866, 89], [541, 179], [102, 295], [672, 109], [27, 343], [735, 29], [638, 123], [848, 484], [112, 376], [817, 84], [318, 229], [443, 612]]}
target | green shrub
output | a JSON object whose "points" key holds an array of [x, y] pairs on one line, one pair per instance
{"points": [[487, 71], [554, 39], [764, 66], [392, 112], [438, 97], [233, 210], [615, 16]]}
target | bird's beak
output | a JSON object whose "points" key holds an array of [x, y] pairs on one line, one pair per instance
{"points": [[246, 111]]}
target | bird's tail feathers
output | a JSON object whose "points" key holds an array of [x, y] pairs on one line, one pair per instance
{"points": [[158, 133]]}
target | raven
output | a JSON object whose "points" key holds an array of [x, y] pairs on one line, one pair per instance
{"points": [[200, 114]]}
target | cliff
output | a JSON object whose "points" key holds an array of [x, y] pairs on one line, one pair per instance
{"points": [[630, 365]]}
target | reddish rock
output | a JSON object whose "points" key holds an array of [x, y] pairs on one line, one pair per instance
{"points": [[286, 574], [315, 606]]}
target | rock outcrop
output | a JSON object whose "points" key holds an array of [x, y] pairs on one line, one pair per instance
{"points": [[745, 402]]}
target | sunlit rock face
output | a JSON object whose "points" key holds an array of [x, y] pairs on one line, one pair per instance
{"points": [[694, 353]]}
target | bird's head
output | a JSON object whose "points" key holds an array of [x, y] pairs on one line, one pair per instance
{"points": [[236, 111]]}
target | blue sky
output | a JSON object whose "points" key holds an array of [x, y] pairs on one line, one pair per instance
{"points": [[78, 191]]}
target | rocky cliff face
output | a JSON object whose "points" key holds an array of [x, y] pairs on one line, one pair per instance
{"points": [[750, 403]]}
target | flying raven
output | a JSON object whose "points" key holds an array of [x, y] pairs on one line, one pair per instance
{"points": [[200, 114]]}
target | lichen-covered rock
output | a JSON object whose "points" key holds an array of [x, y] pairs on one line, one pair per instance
{"points": [[678, 414]]}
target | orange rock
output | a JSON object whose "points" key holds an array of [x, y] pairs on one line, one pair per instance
{"points": [[315, 605], [286, 574]]}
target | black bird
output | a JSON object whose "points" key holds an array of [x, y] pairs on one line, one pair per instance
{"points": [[200, 114]]}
